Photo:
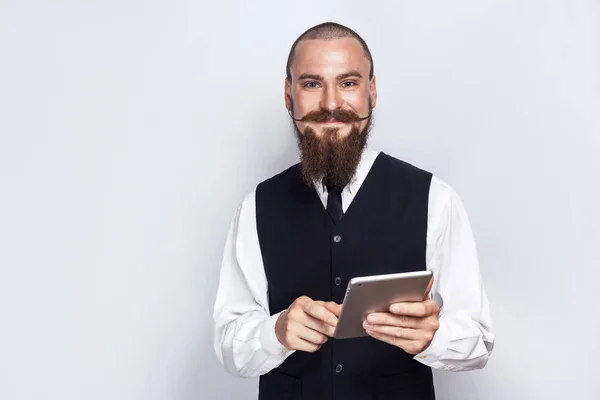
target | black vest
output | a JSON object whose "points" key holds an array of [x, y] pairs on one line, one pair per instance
{"points": [[383, 231]]}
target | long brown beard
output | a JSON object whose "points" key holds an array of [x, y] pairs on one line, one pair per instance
{"points": [[330, 159]]}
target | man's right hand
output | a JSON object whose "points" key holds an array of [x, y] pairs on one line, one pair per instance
{"points": [[307, 324]]}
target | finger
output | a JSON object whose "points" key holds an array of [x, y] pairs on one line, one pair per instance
{"points": [[410, 346], [302, 345], [397, 331], [389, 319], [308, 334], [416, 309], [321, 313], [317, 325], [428, 291], [332, 306], [303, 300]]}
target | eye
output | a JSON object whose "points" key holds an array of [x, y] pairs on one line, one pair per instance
{"points": [[348, 84], [311, 85]]}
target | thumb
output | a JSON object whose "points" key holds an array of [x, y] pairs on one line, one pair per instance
{"points": [[334, 308], [428, 291]]}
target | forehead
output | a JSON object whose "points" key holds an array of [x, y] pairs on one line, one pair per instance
{"points": [[327, 57]]}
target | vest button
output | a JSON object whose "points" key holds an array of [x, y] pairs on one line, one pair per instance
{"points": [[338, 281], [337, 238], [338, 368]]}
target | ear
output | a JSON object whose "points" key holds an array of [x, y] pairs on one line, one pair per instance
{"points": [[287, 92], [373, 91]]}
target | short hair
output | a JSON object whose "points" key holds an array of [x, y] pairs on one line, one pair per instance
{"points": [[328, 31]]}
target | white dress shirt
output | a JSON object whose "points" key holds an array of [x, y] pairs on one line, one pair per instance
{"points": [[244, 331]]}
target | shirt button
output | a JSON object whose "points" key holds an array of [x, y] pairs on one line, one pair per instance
{"points": [[338, 281], [338, 368], [337, 238]]}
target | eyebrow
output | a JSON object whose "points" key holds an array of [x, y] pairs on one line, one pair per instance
{"points": [[351, 74], [345, 75]]}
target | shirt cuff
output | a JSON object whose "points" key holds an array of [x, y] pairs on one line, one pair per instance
{"points": [[268, 339], [433, 353]]}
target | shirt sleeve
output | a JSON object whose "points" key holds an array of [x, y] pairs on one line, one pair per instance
{"points": [[464, 340], [244, 330]]}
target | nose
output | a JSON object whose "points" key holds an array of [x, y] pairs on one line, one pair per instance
{"points": [[331, 99]]}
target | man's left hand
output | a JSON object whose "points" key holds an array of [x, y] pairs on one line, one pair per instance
{"points": [[409, 326]]}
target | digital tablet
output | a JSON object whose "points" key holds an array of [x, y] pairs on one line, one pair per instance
{"points": [[369, 294]]}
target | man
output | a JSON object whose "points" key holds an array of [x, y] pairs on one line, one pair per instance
{"points": [[346, 211]]}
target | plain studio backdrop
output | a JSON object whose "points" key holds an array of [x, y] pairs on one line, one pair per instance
{"points": [[131, 130]]}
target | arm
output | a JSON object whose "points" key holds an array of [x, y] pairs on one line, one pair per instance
{"points": [[464, 340], [244, 330], [451, 328]]}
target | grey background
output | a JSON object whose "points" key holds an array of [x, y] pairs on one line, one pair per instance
{"points": [[130, 131]]}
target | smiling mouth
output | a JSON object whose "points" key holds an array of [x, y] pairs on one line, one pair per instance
{"points": [[331, 121]]}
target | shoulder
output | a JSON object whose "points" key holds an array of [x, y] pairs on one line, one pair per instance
{"points": [[445, 204], [441, 191], [401, 166], [401, 176], [278, 185], [287, 177]]}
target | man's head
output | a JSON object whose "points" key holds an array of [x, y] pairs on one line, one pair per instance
{"points": [[330, 93]]}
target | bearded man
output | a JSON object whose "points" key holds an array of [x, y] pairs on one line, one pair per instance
{"points": [[345, 211]]}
